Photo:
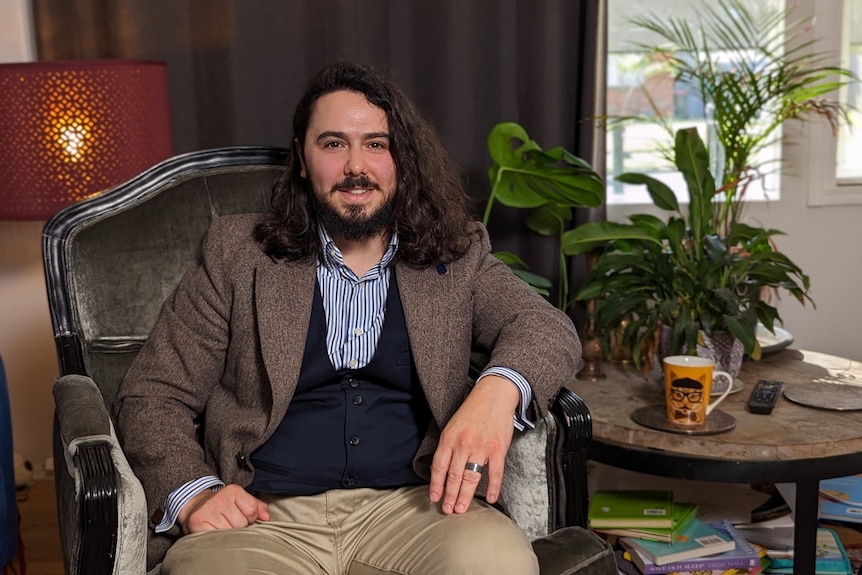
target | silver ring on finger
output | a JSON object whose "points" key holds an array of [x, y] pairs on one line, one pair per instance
{"points": [[474, 467]]}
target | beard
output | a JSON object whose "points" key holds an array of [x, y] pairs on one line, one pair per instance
{"points": [[355, 224]]}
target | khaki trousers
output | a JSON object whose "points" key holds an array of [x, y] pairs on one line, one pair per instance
{"points": [[360, 532]]}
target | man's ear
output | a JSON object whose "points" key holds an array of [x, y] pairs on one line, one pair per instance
{"points": [[298, 148]]}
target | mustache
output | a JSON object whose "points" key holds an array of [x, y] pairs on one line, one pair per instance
{"points": [[356, 182]]}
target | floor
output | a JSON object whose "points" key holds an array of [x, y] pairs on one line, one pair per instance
{"points": [[39, 532]]}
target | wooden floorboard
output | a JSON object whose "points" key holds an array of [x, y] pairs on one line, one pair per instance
{"points": [[39, 531]]}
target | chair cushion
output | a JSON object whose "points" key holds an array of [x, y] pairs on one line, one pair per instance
{"points": [[525, 489], [574, 550]]}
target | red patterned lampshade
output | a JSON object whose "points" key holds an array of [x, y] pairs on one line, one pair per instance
{"points": [[75, 128]]}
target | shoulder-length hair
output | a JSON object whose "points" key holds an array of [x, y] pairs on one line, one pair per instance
{"points": [[431, 206]]}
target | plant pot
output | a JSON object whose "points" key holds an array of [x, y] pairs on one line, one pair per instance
{"points": [[724, 349]]}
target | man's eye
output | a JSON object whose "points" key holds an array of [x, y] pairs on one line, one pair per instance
{"points": [[332, 144], [377, 145]]}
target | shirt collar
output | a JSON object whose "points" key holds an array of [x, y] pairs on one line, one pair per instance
{"points": [[331, 257]]}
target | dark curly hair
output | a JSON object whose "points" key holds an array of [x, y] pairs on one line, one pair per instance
{"points": [[431, 206]]}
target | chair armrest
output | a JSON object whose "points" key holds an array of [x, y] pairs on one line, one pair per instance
{"points": [[100, 503], [574, 550], [576, 432]]}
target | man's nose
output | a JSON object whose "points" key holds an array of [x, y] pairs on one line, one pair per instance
{"points": [[355, 162]]}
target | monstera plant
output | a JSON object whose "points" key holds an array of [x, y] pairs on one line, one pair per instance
{"points": [[547, 183], [681, 272]]}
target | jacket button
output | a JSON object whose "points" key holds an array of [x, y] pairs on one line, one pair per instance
{"points": [[354, 440], [158, 515], [241, 460]]}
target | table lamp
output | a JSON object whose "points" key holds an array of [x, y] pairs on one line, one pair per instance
{"points": [[74, 128]]}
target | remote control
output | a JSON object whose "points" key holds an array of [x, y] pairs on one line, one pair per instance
{"points": [[764, 396]]}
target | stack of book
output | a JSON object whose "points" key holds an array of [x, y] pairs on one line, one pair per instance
{"points": [[664, 536]]}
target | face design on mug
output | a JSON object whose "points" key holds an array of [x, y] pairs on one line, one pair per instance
{"points": [[686, 397]]}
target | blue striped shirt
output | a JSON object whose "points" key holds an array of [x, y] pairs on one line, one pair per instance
{"points": [[355, 308]]}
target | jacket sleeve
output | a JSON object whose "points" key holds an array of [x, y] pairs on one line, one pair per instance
{"points": [[517, 328], [161, 400]]}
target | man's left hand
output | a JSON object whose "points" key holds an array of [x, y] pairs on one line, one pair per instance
{"points": [[479, 432]]}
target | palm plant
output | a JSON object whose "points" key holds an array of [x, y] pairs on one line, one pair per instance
{"points": [[753, 70]]}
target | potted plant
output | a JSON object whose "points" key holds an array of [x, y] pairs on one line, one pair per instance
{"points": [[550, 184], [681, 272], [752, 70]]}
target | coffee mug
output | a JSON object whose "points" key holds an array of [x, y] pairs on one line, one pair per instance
{"points": [[687, 385]]}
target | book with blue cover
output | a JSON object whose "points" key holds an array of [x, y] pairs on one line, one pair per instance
{"points": [[831, 558], [698, 539], [846, 490], [743, 556], [841, 499]]}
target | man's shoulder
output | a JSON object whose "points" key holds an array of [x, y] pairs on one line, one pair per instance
{"points": [[232, 236], [235, 224]]}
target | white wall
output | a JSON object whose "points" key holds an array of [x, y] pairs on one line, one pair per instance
{"points": [[26, 341]]}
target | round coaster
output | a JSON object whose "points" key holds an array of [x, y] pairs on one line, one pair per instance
{"points": [[825, 395], [655, 417]]}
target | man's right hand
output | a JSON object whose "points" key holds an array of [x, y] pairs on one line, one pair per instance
{"points": [[228, 508]]}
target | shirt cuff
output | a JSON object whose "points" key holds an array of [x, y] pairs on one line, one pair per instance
{"points": [[522, 418], [178, 498]]}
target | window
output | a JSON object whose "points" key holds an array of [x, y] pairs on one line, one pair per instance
{"points": [[834, 163], [633, 73]]}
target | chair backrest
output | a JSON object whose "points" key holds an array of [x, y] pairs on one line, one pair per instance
{"points": [[110, 261]]}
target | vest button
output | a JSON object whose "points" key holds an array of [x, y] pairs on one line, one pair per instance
{"points": [[350, 481], [354, 440], [357, 400], [353, 382]]}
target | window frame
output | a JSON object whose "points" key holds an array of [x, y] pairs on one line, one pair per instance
{"points": [[821, 147]]}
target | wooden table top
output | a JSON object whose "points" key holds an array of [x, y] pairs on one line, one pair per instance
{"points": [[790, 432]]}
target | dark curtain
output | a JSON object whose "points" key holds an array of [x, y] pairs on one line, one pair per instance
{"points": [[237, 68]]}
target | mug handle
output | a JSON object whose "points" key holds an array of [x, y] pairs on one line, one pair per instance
{"points": [[720, 398]]}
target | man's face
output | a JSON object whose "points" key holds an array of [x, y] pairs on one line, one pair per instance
{"points": [[347, 160]]}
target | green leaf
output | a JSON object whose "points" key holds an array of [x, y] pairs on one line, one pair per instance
{"points": [[522, 175], [662, 196], [549, 220], [510, 259], [593, 234], [692, 159], [540, 284]]}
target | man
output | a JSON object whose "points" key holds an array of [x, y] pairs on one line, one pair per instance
{"points": [[303, 402]]}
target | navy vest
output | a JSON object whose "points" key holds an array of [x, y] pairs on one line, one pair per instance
{"points": [[348, 428]]}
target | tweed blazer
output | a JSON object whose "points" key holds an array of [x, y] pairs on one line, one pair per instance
{"points": [[222, 362]]}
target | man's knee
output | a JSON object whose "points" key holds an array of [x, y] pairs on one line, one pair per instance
{"points": [[498, 549]]}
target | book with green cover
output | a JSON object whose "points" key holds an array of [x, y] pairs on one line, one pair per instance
{"points": [[698, 539], [631, 508], [681, 515]]}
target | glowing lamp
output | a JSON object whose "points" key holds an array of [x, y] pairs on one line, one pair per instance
{"points": [[71, 129]]}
